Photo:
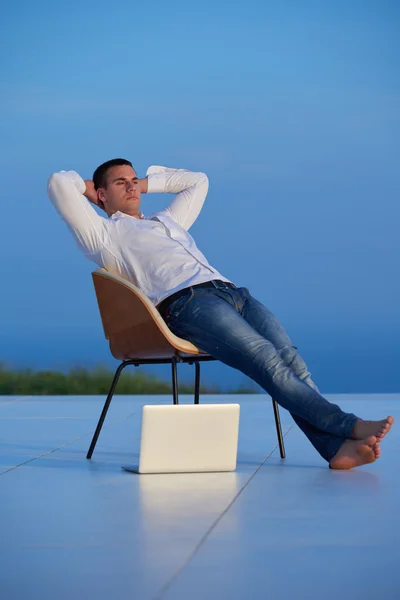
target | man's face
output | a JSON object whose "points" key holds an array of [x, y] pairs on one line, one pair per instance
{"points": [[122, 191]]}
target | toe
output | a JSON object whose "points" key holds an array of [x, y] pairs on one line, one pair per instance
{"points": [[371, 440], [377, 449], [382, 433]]}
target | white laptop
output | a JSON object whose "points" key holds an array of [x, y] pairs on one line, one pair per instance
{"points": [[188, 438]]}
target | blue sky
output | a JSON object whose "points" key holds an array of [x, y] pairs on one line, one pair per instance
{"points": [[291, 108]]}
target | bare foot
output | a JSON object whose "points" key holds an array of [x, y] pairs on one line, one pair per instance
{"points": [[363, 429], [354, 453]]}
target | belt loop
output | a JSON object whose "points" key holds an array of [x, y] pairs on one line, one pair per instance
{"points": [[214, 284]]}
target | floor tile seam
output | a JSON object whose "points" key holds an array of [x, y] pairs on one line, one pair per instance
{"points": [[63, 445], [204, 537]]}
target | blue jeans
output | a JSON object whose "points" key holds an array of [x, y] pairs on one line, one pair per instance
{"points": [[239, 331]]}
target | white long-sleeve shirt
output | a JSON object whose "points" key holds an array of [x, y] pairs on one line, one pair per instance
{"points": [[155, 253]]}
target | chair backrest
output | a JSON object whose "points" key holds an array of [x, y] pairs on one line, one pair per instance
{"points": [[132, 324]]}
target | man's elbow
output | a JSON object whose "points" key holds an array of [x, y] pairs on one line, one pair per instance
{"points": [[54, 184], [53, 180], [62, 181], [203, 180]]}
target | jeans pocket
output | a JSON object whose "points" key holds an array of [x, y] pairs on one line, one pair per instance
{"points": [[176, 307]]}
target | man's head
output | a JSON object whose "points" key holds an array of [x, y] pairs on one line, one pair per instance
{"points": [[117, 187]]}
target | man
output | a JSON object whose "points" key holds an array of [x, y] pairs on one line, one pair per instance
{"points": [[158, 255]]}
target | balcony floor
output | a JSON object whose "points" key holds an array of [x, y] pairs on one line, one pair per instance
{"points": [[78, 529]]}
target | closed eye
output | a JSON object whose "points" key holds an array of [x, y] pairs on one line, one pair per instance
{"points": [[124, 179]]}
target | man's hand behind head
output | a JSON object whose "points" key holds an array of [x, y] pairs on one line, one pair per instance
{"points": [[91, 194]]}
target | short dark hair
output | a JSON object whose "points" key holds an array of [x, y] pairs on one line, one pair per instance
{"points": [[100, 174]]}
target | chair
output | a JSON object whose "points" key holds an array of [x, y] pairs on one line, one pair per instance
{"points": [[138, 335]]}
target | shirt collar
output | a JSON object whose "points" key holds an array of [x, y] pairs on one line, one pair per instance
{"points": [[121, 215]]}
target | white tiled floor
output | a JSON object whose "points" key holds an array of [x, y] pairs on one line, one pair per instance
{"points": [[72, 528]]}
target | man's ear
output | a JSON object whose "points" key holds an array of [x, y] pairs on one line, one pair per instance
{"points": [[101, 198]]}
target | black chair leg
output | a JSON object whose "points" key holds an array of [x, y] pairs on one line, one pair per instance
{"points": [[279, 429], [105, 409], [197, 383], [174, 380]]}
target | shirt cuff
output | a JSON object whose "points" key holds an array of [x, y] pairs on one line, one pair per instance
{"points": [[157, 169], [157, 178], [156, 183]]}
